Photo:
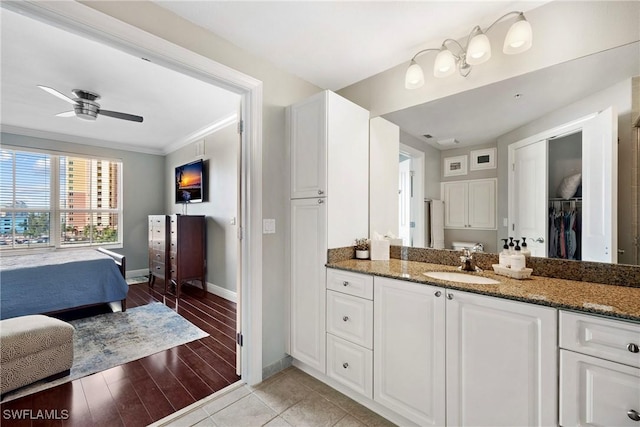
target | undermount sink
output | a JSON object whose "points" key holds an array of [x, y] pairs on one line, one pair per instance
{"points": [[461, 277]]}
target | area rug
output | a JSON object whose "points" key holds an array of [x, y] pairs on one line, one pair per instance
{"points": [[107, 340], [136, 280]]}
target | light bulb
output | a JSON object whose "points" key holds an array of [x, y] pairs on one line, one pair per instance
{"points": [[445, 63], [414, 77], [519, 37], [479, 49]]}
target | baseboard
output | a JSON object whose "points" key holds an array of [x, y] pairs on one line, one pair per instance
{"points": [[276, 367], [222, 292], [136, 273]]}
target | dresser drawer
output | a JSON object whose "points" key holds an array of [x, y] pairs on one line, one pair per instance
{"points": [[596, 392], [350, 365], [157, 268], [360, 285], [613, 340], [350, 318]]}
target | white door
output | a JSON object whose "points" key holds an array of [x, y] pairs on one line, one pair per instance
{"points": [[501, 362], [308, 300], [404, 203], [482, 204], [528, 197], [308, 135], [456, 208], [599, 187], [596, 392], [408, 355]]}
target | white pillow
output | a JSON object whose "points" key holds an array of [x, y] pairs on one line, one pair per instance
{"points": [[569, 186]]}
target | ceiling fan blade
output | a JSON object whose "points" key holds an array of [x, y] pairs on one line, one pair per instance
{"points": [[66, 114], [58, 94], [118, 115]]}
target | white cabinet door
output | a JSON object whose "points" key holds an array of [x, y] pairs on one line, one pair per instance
{"points": [[308, 301], [501, 362], [470, 204], [409, 364], [455, 196], [482, 204], [596, 392], [308, 128]]}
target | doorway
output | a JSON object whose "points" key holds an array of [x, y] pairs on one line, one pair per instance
{"points": [[411, 197], [83, 20]]}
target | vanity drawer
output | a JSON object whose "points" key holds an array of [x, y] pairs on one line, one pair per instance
{"points": [[360, 285], [613, 340], [350, 318], [350, 365]]}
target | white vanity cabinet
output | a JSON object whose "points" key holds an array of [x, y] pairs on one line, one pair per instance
{"points": [[350, 330], [501, 362], [329, 157], [409, 350], [599, 371], [470, 204]]}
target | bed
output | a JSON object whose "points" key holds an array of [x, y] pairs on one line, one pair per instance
{"points": [[61, 280]]}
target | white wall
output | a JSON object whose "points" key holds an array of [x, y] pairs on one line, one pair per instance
{"points": [[220, 206], [280, 89]]}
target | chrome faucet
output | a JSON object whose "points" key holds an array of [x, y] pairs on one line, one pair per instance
{"points": [[468, 261]]}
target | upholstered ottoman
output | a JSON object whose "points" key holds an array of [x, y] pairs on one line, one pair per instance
{"points": [[33, 348]]}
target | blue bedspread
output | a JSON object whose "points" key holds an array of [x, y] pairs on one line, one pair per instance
{"points": [[45, 282]]}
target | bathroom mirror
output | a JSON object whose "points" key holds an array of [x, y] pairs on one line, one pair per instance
{"points": [[496, 115]]}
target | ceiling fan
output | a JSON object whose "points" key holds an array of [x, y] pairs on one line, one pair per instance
{"points": [[86, 107]]}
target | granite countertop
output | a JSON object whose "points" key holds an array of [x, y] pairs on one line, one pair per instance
{"points": [[608, 300]]}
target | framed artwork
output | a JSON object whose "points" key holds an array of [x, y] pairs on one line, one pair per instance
{"points": [[454, 166], [483, 159]]}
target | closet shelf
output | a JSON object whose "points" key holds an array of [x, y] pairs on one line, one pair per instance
{"points": [[560, 199]]}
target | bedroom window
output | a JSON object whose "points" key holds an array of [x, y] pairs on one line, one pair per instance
{"points": [[41, 206]]}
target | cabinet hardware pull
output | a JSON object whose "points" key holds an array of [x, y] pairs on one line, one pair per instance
{"points": [[633, 348], [539, 240], [320, 201], [320, 192], [438, 293], [345, 283], [633, 415], [345, 365], [449, 296], [345, 318]]}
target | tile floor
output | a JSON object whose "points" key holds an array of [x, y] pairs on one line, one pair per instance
{"points": [[289, 398]]}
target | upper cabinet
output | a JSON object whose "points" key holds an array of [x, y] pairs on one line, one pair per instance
{"points": [[330, 158], [470, 204]]}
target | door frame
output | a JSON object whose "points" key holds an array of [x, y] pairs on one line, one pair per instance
{"points": [[91, 23]]}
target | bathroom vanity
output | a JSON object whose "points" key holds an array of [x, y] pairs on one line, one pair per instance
{"points": [[425, 351]]}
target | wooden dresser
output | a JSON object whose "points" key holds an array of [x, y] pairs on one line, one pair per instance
{"points": [[177, 250]]}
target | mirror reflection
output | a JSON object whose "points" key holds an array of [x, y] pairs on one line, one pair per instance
{"points": [[506, 155]]}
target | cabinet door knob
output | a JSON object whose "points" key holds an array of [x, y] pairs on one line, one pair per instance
{"points": [[539, 240], [449, 296], [345, 283], [320, 201], [438, 293], [633, 348], [345, 318], [320, 192], [633, 415], [345, 365]]}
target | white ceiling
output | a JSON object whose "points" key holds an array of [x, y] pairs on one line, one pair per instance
{"points": [[331, 44], [175, 107], [334, 44]]}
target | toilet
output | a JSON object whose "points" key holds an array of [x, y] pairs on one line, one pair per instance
{"points": [[458, 246]]}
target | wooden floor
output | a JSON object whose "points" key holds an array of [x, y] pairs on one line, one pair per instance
{"points": [[148, 389]]}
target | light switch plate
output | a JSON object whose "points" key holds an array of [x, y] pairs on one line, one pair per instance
{"points": [[268, 226]]}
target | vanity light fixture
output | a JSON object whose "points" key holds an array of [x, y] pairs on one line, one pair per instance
{"points": [[477, 51]]}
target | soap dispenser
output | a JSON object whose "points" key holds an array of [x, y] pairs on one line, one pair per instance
{"points": [[518, 261], [505, 260], [525, 250], [511, 246]]}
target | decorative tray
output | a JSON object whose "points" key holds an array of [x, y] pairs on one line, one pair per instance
{"points": [[514, 274]]}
